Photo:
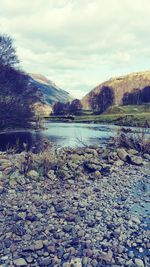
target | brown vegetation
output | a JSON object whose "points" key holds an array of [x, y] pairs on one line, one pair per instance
{"points": [[137, 141], [123, 86]]}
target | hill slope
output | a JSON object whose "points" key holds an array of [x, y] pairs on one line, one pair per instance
{"points": [[49, 93], [120, 86]]}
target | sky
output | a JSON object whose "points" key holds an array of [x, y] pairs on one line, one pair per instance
{"points": [[79, 43]]}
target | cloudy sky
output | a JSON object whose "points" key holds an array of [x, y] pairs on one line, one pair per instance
{"points": [[79, 43]]}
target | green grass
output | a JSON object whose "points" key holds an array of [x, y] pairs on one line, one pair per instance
{"points": [[119, 115]]}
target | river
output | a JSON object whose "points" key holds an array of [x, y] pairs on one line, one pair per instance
{"points": [[63, 134]]}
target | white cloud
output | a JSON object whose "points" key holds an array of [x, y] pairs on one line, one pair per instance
{"points": [[79, 43]]}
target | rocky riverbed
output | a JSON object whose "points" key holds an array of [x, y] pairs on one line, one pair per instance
{"points": [[75, 207]]}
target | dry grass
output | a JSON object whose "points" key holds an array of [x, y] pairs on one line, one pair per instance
{"points": [[138, 141]]}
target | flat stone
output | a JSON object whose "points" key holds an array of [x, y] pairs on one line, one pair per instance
{"points": [[67, 228], [77, 262], [38, 244], [20, 262], [33, 174], [1, 190], [136, 160], [139, 263], [45, 262], [18, 230], [122, 154]]}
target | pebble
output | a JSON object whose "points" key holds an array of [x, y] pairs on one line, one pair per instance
{"points": [[139, 263], [88, 222], [20, 262]]}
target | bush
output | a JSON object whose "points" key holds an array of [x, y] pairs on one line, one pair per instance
{"points": [[134, 140]]}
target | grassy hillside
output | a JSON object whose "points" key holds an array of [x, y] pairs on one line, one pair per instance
{"points": [[120, 86], [120, 115], [50, 91]]}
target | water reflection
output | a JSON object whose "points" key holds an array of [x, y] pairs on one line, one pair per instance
{"points": [[63, 134]]}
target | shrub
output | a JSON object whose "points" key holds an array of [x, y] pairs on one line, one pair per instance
{"points": [[139, 141]]}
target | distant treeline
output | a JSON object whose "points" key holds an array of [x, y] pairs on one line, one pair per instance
{"points": [[137, 97], [101, 101], [73, 108]]}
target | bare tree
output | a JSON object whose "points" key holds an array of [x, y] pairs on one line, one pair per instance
{"points": [[8, 55], [16, 93], [102, 101]]}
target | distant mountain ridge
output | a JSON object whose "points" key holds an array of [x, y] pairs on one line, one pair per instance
{"points": [[121, 86], [50, 93]]}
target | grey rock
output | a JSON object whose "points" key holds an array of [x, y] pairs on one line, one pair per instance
{"points": [[139, 262], [20, 262]]}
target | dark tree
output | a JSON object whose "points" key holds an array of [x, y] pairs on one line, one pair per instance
{"points": [[60, 108], [102, 101], [75, 107], [137, 96], [16, 92], [145, 95], [8, 55]]}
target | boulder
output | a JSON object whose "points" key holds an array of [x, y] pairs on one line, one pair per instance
{"points": [[91, 166], [106, 257], [147, 156], [119, 163], [123, 155], [4, 164], [136, 160], [77, 262], [20, 262], [91, 151], [38, 244], [33, 174], [1, 190], [132, 152], [139, 262], [1, 175]]}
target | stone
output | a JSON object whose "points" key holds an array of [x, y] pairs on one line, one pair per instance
{"points": [[33, 174], [59, 207], [97, 174], [122, 154], [119, 163], [129, 263], [38, 244], [77, 262], [139, 262], [45, 262], [106, 257], [31, 217], [91, 167], [51, 249], [4, 164], [1, 175], [94, 263], [136, 160], [147, 156], [132, 152], [18, 230], [135, 219], [105, 170], [91, 151], [1, 190], [20, 262], [67, 228]]}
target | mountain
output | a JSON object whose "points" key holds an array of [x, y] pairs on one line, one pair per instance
{"points": [[50, 93], [126, 89]]}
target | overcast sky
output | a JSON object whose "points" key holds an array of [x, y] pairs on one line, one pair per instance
{"points": [[79, 43]]}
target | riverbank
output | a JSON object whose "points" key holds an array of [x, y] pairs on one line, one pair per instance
{"points": [[128, 120], [74, 207]]}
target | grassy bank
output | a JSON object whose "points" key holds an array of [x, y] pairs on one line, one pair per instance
{"points": [[118, 115]]}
